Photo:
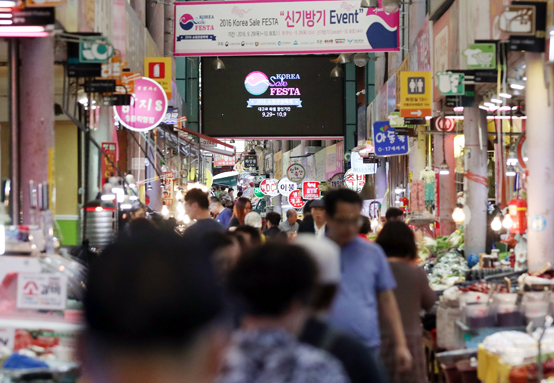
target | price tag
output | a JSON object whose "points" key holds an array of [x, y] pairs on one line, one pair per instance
{"points": [[41, 291]]}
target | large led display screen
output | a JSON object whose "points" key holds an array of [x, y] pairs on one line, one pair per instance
{"points": [[272, 96]]}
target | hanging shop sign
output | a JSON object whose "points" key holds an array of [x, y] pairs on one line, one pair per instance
{"points": [[296, 173], [386, 142], [416, 94], [168, 178], [481, 56], [518, 20], [147, 109], [270, 187], [41, 291], [171, 116], [107, 169], [295, 200], [360, 166], [286, 187], [221, 160], [282, 27], [310, 190], [354, 181], [336, 182], [395, 120], [537, 41], [29, 17], [451, 84], [258, 193], [95, 50], [251, 161], [440, 124], [116, 99], [159, 70], [100, 86], [128, 82]]}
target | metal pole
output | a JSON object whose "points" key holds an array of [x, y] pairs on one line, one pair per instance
{"points": [[14, 123]]}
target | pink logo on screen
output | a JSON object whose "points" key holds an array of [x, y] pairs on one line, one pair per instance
{"points": [[256, 83]]}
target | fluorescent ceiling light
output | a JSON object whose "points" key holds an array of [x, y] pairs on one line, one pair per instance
{"points": [[505, 95], [496, 100], [517, 86]]}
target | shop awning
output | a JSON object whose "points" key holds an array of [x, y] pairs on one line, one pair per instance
{"points": [[226, 179]]}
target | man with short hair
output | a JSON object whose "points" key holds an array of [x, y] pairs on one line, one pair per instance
{"points": [[274, 283], [273, 220], [290, 225], [367, 282], [316, 224], [358, 362], [197, 208], [394, 214], [221, 214], [152, 313]]}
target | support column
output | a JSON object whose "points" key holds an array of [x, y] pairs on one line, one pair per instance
{"points": [[539, 100], [37, 114], [447, 183], [475, 225]]}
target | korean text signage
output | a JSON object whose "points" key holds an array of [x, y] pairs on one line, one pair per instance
{"points": [[41, 291], [159, 70], [108, 169], [296, 173], [147, 109], [295, 200], [336, 182], [221, 160], [286, 187], [354, 181], [270, 187], [360, 167], [416, 94], [310, 190], [280, 27], [386, 142], [251, 161]]}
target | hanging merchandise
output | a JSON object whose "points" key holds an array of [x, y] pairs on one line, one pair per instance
{"points": [[517, 208], [417, 194], [428, 176]]}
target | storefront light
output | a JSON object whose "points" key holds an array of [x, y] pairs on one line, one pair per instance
{"points": [[458, 215], [496, 225], [496, 101], [517, 86], [444, 170], [511, 171], [507, 222], [8, 3], [512, 158], [505, 95], [165, 211], [133, 198], [107, 197]]}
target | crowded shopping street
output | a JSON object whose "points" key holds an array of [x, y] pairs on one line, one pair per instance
{"points": [[276, 191]]}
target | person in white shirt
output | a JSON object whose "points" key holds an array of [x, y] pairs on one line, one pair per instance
{"points": [[317, 222]]}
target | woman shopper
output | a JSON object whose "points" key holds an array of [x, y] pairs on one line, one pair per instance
{"points": [[412, 293], [242, 207]]}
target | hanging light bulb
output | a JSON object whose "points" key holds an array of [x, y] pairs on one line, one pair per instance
{"points": [[344, 58], [444, 170], [179, 195], [217, 64], [369, 4], [496, 225], [165, 211], [458, 215], [507, 222], [361, 59], [336, 72], [511, 171]]}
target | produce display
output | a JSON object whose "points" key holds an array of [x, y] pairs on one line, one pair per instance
{"points": [[450, 268]]}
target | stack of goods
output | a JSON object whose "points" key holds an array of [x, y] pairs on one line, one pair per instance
{"points": [[417, 196], [431, 249], [450, 268]]}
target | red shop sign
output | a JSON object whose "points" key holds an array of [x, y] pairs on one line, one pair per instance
{"points": [[310, 190], [107, 170], [296, 200]]}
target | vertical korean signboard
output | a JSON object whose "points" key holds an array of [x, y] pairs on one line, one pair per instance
{"points": [[386, 142], [107, 169]]}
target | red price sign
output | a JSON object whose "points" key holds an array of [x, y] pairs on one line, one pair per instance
{"points": [[296, 200], [310, 189], [108, 169], [269, 187]]}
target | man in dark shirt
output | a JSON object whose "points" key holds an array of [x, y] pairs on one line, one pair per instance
{"points": [[197, 208], [359, 364], [273, 232], [220, 213]]}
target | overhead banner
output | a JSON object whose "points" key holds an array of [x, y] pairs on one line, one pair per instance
{"points": [[219, 28]]}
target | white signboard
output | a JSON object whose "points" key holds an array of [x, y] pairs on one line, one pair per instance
{"points": [[286, 187], [218, 28], [270, 187], [358, 166], [41, 291]]}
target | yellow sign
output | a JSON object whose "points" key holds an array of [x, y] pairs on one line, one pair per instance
{"points": [[416, 94], [159, 70], [43, 3]]}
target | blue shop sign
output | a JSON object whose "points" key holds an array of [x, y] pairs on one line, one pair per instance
{"points": [[386, 142]]}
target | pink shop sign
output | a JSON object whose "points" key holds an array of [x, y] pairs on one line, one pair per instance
{"points": [[148, 107]]}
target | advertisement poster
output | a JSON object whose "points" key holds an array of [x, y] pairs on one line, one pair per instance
{"points": [[330, 161], [311, 167], [219, 28], [420, 54], [320, 174], [221, 160], [279, 165], [340, 157], [107, 169], [286, 163]]}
